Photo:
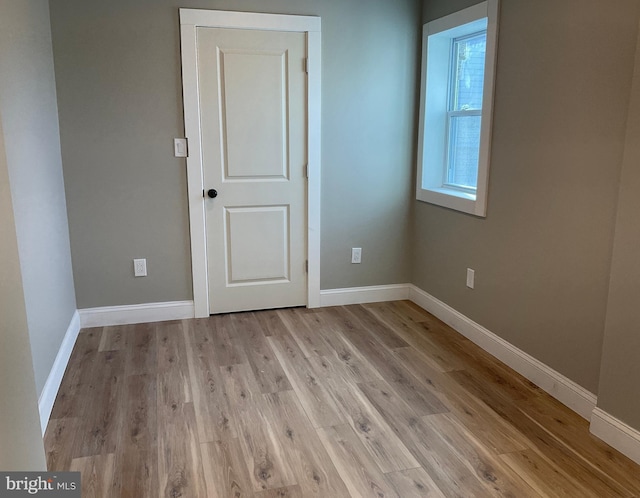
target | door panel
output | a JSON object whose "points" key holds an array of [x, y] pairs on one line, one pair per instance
{"points": [[266, 227], [251, 82], [253, 120]]}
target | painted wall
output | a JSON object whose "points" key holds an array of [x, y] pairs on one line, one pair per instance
{"points": [[119, 94], [542, 255], [21, 446], [30, 119], [620, 366]]}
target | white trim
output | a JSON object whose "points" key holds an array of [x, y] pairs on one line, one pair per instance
{"points": [[189, 20], [136, 313], [249, 20], [557, 385], [361, 295], [616, 433], [52, 385]]}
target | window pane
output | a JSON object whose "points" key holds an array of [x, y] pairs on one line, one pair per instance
{"points": [[468, 72], [464, 150]]}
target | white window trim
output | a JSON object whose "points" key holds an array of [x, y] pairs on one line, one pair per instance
{"points": [[435, 192]]}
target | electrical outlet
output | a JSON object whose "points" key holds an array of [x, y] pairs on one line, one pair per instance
{"points": [[356, 255], [471, 278], [140, 267]]}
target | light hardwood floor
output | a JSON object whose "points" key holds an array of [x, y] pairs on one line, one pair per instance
{"points": [[380, 400]]}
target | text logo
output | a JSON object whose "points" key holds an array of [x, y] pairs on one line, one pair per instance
{"points": [[43, 484]]}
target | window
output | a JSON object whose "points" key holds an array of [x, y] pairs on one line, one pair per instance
{"points": [[458, 61]]}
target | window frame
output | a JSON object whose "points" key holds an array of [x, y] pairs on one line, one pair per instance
{"points": [[433, 147]]}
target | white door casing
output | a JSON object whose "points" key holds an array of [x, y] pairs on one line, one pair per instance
{"points": [[238, 222]]}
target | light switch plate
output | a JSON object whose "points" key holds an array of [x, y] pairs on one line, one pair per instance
{"points": [[471, 278], [180, 147], [356, 255]]}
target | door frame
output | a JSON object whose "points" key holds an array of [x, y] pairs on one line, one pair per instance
{"points": [[190, 19]]}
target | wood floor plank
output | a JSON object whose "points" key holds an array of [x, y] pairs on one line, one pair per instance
{"points": [[422, 400], [100, 421], [142, 356], [451, 475], [74, 388], [179, 459], [227, 349], [270, 322], [458, 350], [414, 483], [171, 351], [114, 338], [480, 364], [498, 479], [541, 441], [385, 448], [173, 364], [318, 404], [136, 465], [416, 335], [59, 442], [414, 312], [288, 492], [225, 471], [493, 430], [264, 454], [570, 428], [312, 467], [266, 368], [97, 475], [360, 474], [353, 362], [543, 477], [213, 414], [382, 332], [309, 342]]}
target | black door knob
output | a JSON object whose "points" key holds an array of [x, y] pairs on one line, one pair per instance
{"points": [[213, 193]]}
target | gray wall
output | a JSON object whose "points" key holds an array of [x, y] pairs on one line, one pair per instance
{"points": [[119, 94], [20, 438], [30, 119], [543, 253], [620, 366]]}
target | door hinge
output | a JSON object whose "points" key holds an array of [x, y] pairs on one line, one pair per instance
{"points": [[306, 65], [306, 266], [306, 171]]}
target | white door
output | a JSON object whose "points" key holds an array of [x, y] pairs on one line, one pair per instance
{"points": [[252, 87]]}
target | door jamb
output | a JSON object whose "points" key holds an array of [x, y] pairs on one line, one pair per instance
{"points": [[190, 19]]}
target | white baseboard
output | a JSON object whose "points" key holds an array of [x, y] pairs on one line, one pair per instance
{"points": [[361, 295], [136, 313], [52, 385], [616, 433], [557, 385]]}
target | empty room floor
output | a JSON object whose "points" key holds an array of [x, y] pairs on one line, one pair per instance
{"points": [[379, 400]]}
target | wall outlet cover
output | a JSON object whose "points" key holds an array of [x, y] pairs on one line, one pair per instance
{"points": [[140, 267]]}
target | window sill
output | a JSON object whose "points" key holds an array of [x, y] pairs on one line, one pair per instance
{"points": [[452, 199]]}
